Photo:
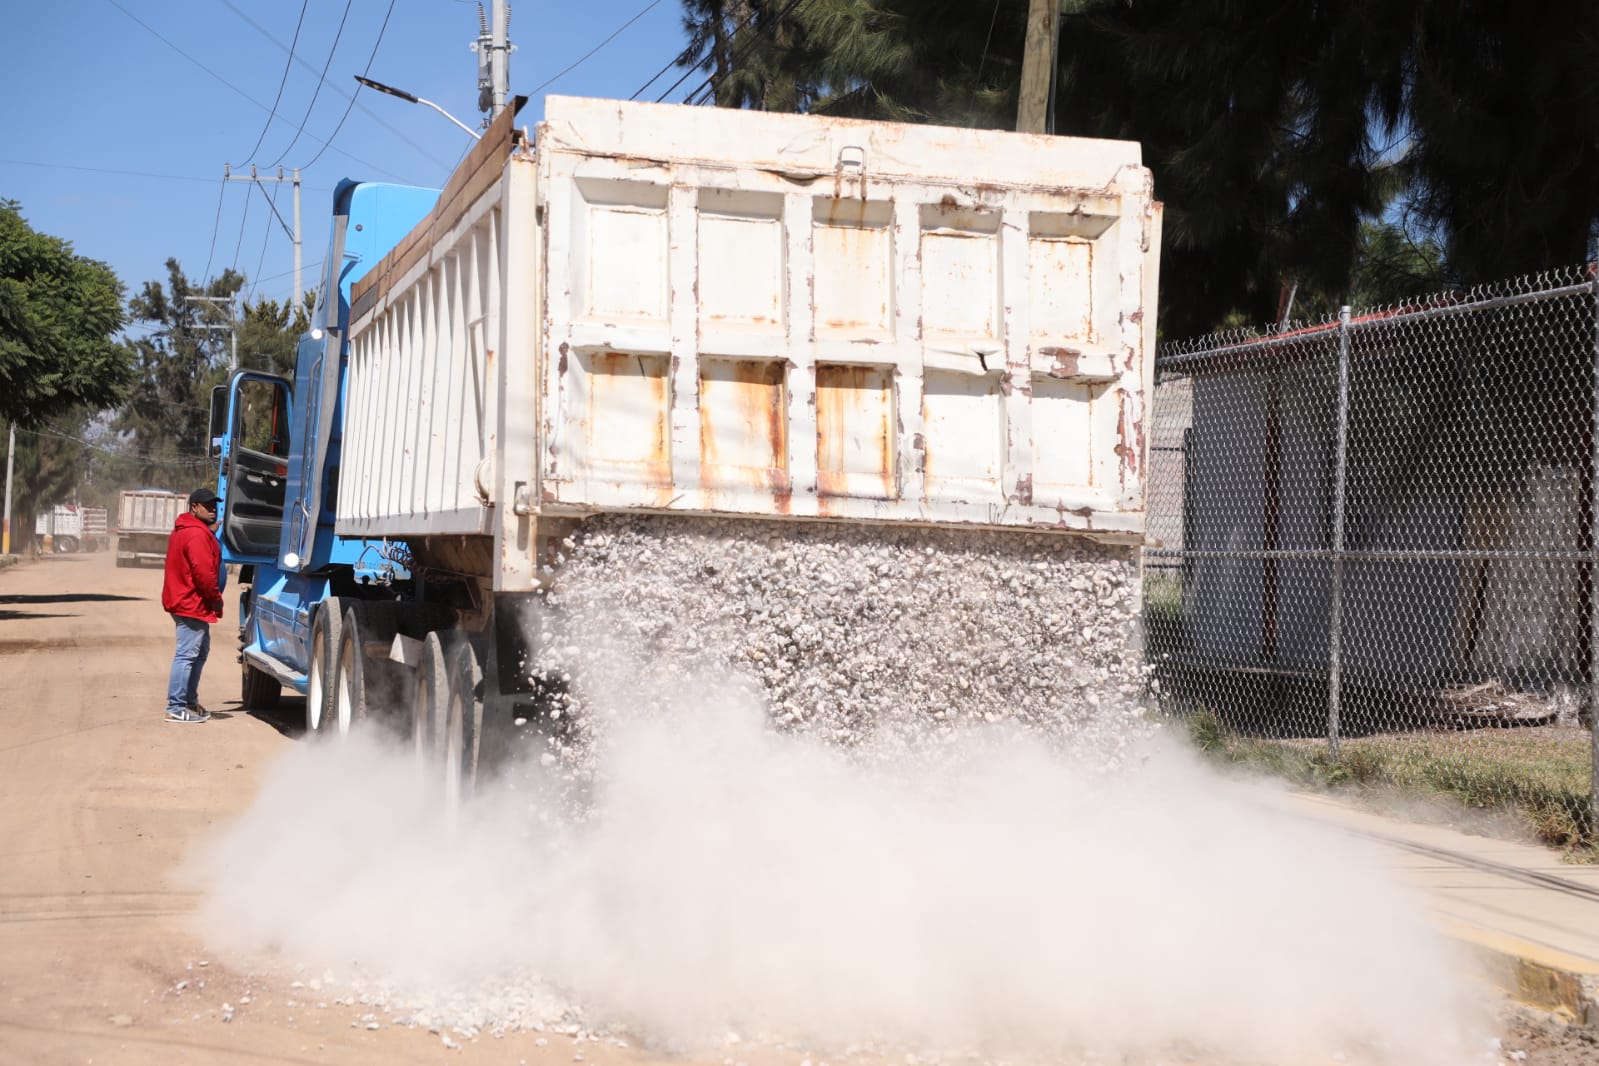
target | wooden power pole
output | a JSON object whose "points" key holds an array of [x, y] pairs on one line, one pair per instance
{"points": [[1038, 66]]}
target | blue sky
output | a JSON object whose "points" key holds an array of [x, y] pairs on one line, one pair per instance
{"points": [[115, 139]]}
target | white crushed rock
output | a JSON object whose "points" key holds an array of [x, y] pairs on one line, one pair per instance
{"points": [[862, 636]]}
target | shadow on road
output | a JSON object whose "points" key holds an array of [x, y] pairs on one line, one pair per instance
{"points": [[71, 597], [64, 597], [288, 717]]}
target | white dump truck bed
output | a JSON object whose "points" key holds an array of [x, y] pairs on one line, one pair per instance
{"points": [[694, 310]]}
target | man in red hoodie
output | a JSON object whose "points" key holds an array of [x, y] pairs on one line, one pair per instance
{"points": [[192, 595]]}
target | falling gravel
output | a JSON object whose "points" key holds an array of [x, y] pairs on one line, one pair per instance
{"points": [[872, 638]]}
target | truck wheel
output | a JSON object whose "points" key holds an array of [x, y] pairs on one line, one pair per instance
{"points": [[66, 545], [463, 722], [352, 694], [429, 699], [259, 690], [320, 707]]}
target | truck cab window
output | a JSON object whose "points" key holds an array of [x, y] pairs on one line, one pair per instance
{"points": [[259, 468]]}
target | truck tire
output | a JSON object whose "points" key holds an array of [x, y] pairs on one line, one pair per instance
{"points": [[259, 690], [463, 723], [353, 672], [66, 545], [321, 709], [430, 698]]}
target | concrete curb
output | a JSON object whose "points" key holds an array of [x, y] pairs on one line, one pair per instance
{"points": [[1537, 976]]}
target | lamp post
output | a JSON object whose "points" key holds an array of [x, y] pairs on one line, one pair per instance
{"points": [[414, 99]]}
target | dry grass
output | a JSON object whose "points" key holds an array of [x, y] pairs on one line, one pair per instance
{"points": [[1542, 774]]}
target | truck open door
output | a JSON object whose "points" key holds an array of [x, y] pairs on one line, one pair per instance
{"points": [[250, 440]]}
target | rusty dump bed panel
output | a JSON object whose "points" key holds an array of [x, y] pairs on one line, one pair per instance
{"points": [[682, 309]]}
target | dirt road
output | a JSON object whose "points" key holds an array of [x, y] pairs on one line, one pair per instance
{"points": [[101, 801]]}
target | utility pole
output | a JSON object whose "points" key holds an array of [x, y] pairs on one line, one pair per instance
{"points": [[231, 303], [493, 48], [1038, 67], [294, 234], [11, 454]]}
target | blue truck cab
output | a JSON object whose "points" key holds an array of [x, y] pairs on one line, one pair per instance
{"points": [[277, 444]]}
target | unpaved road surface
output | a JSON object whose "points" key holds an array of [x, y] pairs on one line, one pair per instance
{"points": [[100, 802]]}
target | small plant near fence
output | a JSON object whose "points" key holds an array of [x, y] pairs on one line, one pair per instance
{"points": [[1372, 549]]}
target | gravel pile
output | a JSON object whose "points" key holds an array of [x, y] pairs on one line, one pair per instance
{"points": [[862, 636]]}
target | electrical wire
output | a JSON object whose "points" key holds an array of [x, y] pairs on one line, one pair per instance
{"points": [[147, 460], [104, 170], [322, 80], [265, 234], [354, 96], [398, 133], [252, 100], [215, 228], [764, 30], [287, 66], [244, 221], [992, 19], [614, 33]]}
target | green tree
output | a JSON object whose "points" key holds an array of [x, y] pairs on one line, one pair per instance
{"points": [[59, 316], [1279, 133], [1503, 107], [178, 358], [268, 334]]}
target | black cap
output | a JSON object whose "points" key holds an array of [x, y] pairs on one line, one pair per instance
{"points": [[205, 496]]}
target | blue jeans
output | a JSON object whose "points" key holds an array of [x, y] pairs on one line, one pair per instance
{"points": [[194, 644]]}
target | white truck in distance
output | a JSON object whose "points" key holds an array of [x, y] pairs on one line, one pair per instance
{"points": [[688, 312]]}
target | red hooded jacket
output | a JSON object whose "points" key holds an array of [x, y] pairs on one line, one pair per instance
{"points": [[194, 561]]}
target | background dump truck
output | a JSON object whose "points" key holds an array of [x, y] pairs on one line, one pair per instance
{"points": [[144, 523], [69, 527], [696, 313]]}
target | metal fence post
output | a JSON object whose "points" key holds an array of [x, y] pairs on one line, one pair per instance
{"points": [[1593, 578], [1335, 628]]}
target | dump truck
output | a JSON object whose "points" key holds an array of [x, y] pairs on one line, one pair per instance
{"points": [[145, 518], [71, 527], [673, 311]]}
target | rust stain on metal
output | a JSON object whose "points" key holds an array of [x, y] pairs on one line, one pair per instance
{"points": [[1129, 436], [1068, 361], [1024, 490], [746, 402], [566, 350]]}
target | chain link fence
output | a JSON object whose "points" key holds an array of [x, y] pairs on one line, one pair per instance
{"points": [[1372, 547]]}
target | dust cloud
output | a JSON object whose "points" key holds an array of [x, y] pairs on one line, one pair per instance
{"points": [[707, 873]]}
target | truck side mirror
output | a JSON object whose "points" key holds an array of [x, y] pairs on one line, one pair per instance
{"points": [[219, 420]]}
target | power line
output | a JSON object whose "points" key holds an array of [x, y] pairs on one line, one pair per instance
{"points": [[287, 66], [250, 99], [244, 221], [764, 30], [265, 234], [103, 170], [339, 92], [147, 460], [321, 80], [215, 227], [573, 66], [669, 65], [356, 95]]}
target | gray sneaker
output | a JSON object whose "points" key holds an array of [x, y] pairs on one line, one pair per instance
{"points": [[187, 715]]}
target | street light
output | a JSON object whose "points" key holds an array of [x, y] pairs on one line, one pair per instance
{"points": [[411, 98]]}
